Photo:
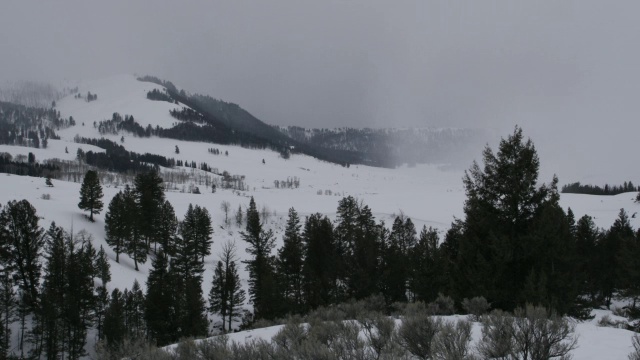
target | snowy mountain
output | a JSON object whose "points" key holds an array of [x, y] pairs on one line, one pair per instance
{"points": [[426, 193]]}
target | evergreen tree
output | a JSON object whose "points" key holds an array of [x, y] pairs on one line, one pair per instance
{"points": [[161, 302], [149, 193], [236, 295], [196, 232], [320, 276], [262, 287], [53, 293], [135, 244], [115, 225], [587, 239], [426, 278], [609, 250], [8, 314], [166, 228], [114, 320], [103, 269], [239, 216], [289, 265], [134, 311], [23, 242], [218, 296], [496, 254], [91, 194]]}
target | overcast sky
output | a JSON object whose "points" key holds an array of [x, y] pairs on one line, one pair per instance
{"points": [[567, 71]]}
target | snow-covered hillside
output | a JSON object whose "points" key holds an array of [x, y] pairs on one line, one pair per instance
{"points": [[427, 194]]}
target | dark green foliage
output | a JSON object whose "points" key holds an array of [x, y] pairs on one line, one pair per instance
{"points": [[116, 224], [115, 330], [359, 243], [161, 302], [427, 265], [196, 232], [577, 188], [261, 266], [134, 310], [101, 265], [158, 95], [609, 250], [22, 244], [218, 296], [135, 245], [514, 232], [116, 158], [149, 193], [320, 261], [397, 266], [289, 264], [166, 228], [91, 194]]}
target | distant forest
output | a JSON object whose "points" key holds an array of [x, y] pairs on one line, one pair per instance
{"points": [[577, 188], [227, 123]]}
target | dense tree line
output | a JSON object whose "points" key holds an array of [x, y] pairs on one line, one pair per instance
{"points": [[26, 168], [116, 158], [27, 126], [578, 188], [158, 95], [187, 114]]}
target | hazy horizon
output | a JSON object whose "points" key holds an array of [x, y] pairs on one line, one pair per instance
{"points": [[565, 71]]}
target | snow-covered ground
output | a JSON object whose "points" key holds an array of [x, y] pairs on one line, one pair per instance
{"points": [[428, 194]]}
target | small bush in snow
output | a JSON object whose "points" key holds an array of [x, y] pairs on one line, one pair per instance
{"points": [[606, 321], [443, 305], [476, 307], [531, 333], [46, 196], [452, 342], [418, 330]]}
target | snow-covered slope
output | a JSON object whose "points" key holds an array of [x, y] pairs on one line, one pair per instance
{"points": [[426, 193]]}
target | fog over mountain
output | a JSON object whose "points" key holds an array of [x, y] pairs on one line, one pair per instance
{"points": [[565, 71]]}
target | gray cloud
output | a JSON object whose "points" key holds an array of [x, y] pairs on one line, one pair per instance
{"points": [[567, 71]]}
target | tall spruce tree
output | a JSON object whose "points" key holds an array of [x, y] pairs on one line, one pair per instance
{"points": [[166, 226], [149, 193], [496, 255], [289, 264], [53, 293], [161, 302], [235, 294], [91, 194], [218, 296], [115, 225], [320, 259], [609, 249], [262, 283]]}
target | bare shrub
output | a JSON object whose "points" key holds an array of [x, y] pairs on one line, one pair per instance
{"points": [[443, 305], [532, 333], [476, 307], [418, 330], [452, 342], [131, 349], [46, 197]]}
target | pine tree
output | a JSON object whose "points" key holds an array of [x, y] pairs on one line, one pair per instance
{"points": [[103, 269], [161, 302], [588, 236], [53, 293], [503, 200], [115, 225], [610, 248], [236, 295], [91, 194], [134, 311], [135, 245], [149, 193], [166, 228], [114, 320], [8, 303], [262, 286], [289, 265], [239, 216], [320, 277], [218, 296]]}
